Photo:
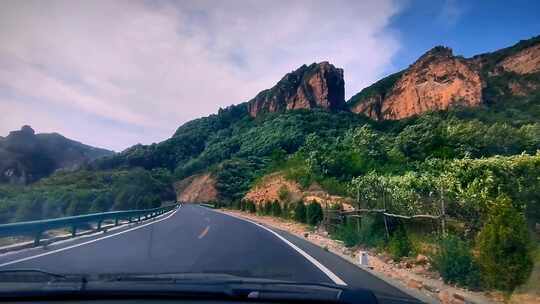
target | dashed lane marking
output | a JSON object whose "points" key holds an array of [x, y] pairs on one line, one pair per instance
{"points": [[204, 232]]}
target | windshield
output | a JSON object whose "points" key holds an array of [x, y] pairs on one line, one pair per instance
{"points": [[340, 151]]}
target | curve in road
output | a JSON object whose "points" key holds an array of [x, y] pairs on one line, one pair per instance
{"points": [[194, 239]]}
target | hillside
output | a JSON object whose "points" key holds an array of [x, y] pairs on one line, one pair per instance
{"points": [[25, 157]]}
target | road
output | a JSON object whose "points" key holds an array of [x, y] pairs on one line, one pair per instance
{"points": [[196, 239]]}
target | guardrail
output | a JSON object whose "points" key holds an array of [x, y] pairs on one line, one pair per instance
{"points": [[208, 205], [37, 228]]}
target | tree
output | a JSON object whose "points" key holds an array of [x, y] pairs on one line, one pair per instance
{"points": [[300, 212], [314, 213], [276, 208], [455, 262], [102, 203], [504, 247]]}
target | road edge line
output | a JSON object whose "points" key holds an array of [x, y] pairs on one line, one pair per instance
{"points": [[313, 261], [85, 243], [390, 281]]}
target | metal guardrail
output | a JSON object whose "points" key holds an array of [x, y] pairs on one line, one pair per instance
{"points": [[208, 205], [37, 228]]}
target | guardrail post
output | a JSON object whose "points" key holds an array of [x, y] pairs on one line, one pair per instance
{"points": [[73, 230], [98, 225], [139, 219], [36, 240], [116, 221]]}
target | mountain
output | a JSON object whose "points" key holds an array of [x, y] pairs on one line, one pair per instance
{"points": [[303, 131], [319, 85], [487, 84], [26, 157], [439, 80]]}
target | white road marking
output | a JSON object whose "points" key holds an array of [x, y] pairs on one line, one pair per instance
{"points": [[85, 243], [321, 267], [204, 232]]}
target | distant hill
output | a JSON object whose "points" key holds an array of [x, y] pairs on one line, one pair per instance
{"points": [[26, 157]]}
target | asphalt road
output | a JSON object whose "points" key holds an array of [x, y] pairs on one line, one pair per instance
{"points": [[195, 239]]}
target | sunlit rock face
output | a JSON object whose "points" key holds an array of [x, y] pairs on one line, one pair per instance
{"points": [[436, 81], [439, 80], [526, 61], [319, 85]]}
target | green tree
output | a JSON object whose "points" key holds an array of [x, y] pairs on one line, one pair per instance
{"points": [[455, 262], [276, 208], [300, 212], [102, 203], [314, 213], [267, 209], [504, 247]]}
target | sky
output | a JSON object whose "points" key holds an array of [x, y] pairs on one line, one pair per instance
{"points": [[114, 73]]}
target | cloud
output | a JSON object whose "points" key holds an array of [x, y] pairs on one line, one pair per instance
{"points": [[136, 69]]}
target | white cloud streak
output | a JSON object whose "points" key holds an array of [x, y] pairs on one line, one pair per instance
{"points": [[136, 70]]}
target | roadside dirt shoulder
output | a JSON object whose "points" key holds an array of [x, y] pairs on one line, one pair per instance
{"points": [[413, 274]]}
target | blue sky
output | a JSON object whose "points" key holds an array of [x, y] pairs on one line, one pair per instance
{"points": [[117, 73], [468, 27]]}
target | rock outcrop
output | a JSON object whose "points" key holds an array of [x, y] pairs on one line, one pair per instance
{"points": [[526, 61], [196, 189], [439, 80], [436, 81], [275, 187], [319, 85]]}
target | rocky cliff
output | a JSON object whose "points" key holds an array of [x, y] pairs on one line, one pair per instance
{"points": [[26, 157], [436, 81], [526, 61], [439, 80], [319, 85]]}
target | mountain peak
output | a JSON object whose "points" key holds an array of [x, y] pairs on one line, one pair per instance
{"points": [[319, 85], [26, 129], [438, 51]]}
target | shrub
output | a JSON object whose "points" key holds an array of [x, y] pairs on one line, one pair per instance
{"points": [[300, 212], [283, 193], [372, 233], [455, 263], [348, 233], [314, 214], [28, 210], [504, 247], [250, 207], [102, 203], [267, 209], [399, 245], [276, 208], [285, 211]]}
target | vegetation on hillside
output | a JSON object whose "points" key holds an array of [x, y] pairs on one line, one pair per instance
{"points": [[81, 192]]}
